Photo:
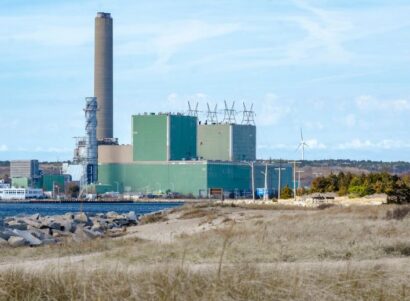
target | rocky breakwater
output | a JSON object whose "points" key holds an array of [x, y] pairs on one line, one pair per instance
{"points": [[36, 230]]}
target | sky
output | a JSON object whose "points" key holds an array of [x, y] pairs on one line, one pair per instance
{"points": [[339, 70]]}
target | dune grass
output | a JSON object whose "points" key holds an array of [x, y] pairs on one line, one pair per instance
{"points": [[336, 253]]}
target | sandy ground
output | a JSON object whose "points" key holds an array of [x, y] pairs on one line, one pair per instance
{"points": [[166, 232]]}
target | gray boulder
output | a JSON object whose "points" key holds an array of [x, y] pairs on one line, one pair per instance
{"points": [[19, 225], [82, 218], [35, 216], [92, 234], [5, 233], [132, 217], [121, 222], [79, 235], [33, 223], [27, 236], [40, 234], [56, 226], [68, 215], [16, 241]]}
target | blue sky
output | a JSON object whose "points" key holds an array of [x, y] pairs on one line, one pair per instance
{"points": [[338, 69]]}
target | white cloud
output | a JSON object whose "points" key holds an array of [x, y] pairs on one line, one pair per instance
{"points": [[366, 102], [40, 149], [311, 144], [3, 148], [271, 111], [176, 36], [315, 144], [45, 30], [385, 144]]}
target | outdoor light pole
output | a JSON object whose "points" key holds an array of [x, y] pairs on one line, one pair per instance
{"points": [[299, 172], [265, 173], [279, 169], [294, 178], [252, 165]]}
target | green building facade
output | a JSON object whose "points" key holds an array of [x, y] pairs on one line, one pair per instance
{"points": [[226, 142], [190, 177], [163, 137], [166, 149], [54, 180]]}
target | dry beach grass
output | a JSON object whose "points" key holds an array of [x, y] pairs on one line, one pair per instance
{"points": [[211, 252]]}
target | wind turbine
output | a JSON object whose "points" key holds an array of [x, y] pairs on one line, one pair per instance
{"points": [[302, 145]]}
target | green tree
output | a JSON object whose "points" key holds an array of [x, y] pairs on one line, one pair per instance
{"points": [[73, 189], [286, 193]]}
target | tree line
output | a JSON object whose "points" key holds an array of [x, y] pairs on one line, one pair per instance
{"points": [[397, 188]]}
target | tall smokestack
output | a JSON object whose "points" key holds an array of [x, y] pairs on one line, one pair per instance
{"points": [[103, 75]]}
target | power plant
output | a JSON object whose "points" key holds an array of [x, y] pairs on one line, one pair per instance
{"points": [[103, 76], [170, 153]]}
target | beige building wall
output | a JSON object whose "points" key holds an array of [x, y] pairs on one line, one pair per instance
{"points": [[114, 154]]}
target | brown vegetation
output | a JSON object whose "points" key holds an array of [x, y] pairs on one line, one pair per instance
{"points": [[353, 253]]}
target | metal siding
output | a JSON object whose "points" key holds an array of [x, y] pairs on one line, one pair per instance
{"points": [[48, 181], [213, 142], [189, 177], [243, 142], [155, 177], [149, 137], [229, 176], [183, 131]]}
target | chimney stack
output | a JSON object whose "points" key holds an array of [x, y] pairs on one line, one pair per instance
{"points": [[103, 75]]}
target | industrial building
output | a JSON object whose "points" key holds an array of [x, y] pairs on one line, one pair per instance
{"points": [[25, 173], [169, 152], [20, 193], [167, 157]]}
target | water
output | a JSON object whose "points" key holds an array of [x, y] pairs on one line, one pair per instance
{"points": [[12, 209]]}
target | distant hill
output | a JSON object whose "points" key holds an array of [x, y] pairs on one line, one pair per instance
{"points": [[399, 167], [311, 169]]}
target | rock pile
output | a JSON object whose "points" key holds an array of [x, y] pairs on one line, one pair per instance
{"points": [[36, 230]]}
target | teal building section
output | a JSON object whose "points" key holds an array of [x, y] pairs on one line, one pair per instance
{"points": [[243, 142], [53, 180], [182, 137], [190, 177], [163, 137]]}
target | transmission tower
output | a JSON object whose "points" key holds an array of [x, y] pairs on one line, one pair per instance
{"points": [[212, 116], [248, 116], [193, 112], [229, 113]]}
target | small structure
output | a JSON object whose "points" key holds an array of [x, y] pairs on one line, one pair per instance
{"points": [[20, 193]]}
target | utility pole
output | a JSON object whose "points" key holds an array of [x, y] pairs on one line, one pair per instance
{"points": [[279, 169], [299, 172], [294, 178], [252, 165], [265, 192]]}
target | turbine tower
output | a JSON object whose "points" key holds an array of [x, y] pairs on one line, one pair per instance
{"points": [[302, 145]]}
